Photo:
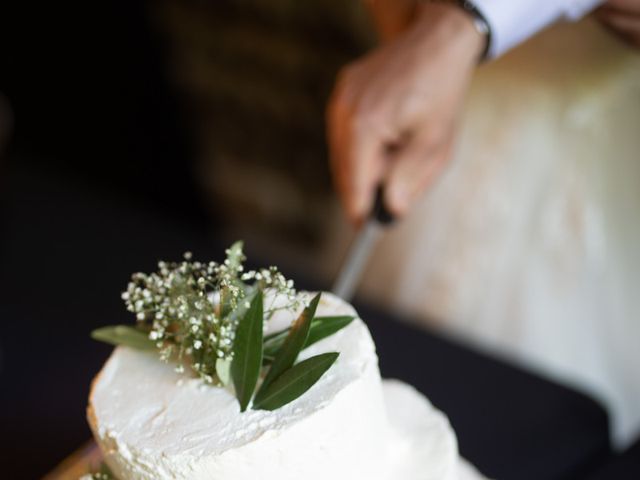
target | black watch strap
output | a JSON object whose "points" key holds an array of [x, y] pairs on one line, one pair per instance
{"points": [[479, 22]]}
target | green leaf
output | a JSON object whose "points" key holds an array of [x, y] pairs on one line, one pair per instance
{"points": [[293, 344], [124, 335], [223, 369], [294, 382], [321, 327], [247, 352], [105, 471], [273, 343]]}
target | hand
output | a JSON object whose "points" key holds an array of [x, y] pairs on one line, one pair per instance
{"points": [[393, 113], [623, 18]]}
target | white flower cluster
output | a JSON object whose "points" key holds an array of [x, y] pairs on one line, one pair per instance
{"points": [[191, 309], [271, 279]]}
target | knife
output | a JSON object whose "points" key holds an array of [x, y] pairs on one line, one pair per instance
{"points": [[360, 249]]}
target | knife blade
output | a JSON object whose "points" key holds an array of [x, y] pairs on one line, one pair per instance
{"points": [[361, 248]]}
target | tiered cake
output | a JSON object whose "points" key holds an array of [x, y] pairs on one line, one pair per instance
{"points": [[154, 423]]}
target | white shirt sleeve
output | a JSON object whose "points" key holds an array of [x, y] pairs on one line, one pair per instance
{"points": [[513, 21]]}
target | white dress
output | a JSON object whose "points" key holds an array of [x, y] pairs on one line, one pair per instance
{"points": [[530, 242]]}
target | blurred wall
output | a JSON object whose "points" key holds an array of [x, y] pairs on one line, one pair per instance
{"points": [[255, 77]]}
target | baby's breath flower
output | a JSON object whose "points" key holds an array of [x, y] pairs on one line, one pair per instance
{"points": [[187, 306]]}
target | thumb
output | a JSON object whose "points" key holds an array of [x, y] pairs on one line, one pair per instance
{"points": [[413, 169]]}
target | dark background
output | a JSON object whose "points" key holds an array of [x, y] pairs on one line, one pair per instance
{"points": [[91, 100], [96, 182]]}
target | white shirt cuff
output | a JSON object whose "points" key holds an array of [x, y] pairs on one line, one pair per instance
{"points": [[513, 21]]}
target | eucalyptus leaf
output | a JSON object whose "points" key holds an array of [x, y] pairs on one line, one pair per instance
{"points": [[124, 335], [321, 327], [247, 352], [292, 345], [294, 382]]}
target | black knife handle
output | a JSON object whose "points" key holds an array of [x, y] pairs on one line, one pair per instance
{"points": [[380, 211]]}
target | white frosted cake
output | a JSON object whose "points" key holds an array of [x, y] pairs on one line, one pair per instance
{"points": [[154, 423]]}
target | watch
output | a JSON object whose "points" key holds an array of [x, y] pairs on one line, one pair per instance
{"points": [[479, 22]]}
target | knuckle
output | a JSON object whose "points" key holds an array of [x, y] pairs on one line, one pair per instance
{"points": [[345, 80], [342, 100], [367, 120], [338, 106]]}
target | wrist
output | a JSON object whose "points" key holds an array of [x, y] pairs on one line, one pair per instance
{"points": [[456, 24]]}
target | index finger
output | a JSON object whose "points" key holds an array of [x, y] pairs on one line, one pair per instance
{"points": [[357, 159]]}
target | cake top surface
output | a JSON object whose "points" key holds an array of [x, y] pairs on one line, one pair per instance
{"points": [[145, 402], [209, 319]]}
